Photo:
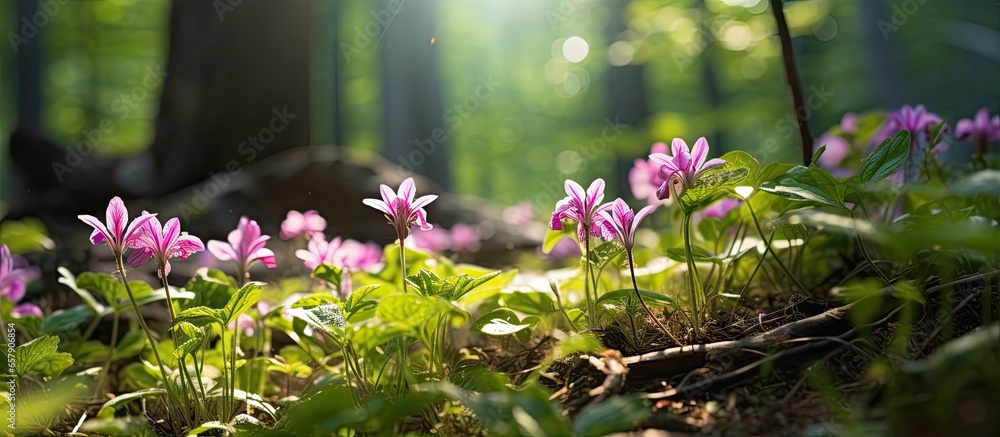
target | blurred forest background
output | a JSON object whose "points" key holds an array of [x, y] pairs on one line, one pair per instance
{"points": [[526, 92]]}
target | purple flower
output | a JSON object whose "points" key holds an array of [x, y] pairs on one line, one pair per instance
{"points": [[245, 246], [684, 166], [14, 277], [162, 243], [644, 177], [465, 238], [400, 209], [916, 120], [436, 240], [837, 149], [297, 223], [115, 233], [720, 208], [980, 128], [583, 207], [624, 222]]}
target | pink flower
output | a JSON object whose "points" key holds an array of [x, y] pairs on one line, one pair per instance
{"points": [[244, 323], [582, 207], [625, 222], [837, 149], [520, 214], [465, 238], [245, 246], [980, 128], [297, 223], [644, 177], [400, 208], [684, 166], [916, 120], [14, 277], [720, 208], [116, 234], [849, 123], [344, 254], [436, 240], [162, 243], [319, 251]]}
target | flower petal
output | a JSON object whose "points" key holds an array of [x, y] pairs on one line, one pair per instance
{"points": [[117, 217], [407, 190], [700, 152], [266, 256], [378, 204], [677, 146], [595, 193], [138, 257], [423, 201], [101, 233], [221, 250], [639, 216]]}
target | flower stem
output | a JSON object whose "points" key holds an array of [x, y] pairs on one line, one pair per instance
{"points": [[635, 286], [402, 264], [694, 288], [181, 362], [164, 376], [107, 362], [586, 274]]}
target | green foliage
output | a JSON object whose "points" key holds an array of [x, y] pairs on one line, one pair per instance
{"points": [[886, 159], [39, 357]]}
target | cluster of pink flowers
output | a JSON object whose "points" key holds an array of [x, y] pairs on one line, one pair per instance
{"points": [[15, 274], [461, 237]]}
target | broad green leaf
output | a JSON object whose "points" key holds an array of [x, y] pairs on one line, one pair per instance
{"points": [[243, 300], [606, 252], [41, 356], [455, 287], [156, 296], [615, 415], [211, 289], [209, 426], [130, 345], [330, 274], [529, 302], [700, 255], [499, 322], [314, 300], [109, 288], [108, 409], [711, 185], [361, 300], [327, 318], [189, 338], [801, 184], [66, 277], [118, 426], [200, 316], [650, 297], [886, 159], [426, 282], [411, 310], [140, 375], [67, 319]]}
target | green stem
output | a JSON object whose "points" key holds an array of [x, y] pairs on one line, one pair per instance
{"points": [[694, 288], [111, 352], [402, 264], [164, 376], [586, 275], [867, 256], [635, 286], [777, 258], [181, 365]]}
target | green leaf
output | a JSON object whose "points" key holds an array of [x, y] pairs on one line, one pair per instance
{"points": [[108, 409], [330, 274], [816, 155], [615, 415], [327, 318], [455, 287], [244, 299], [651, 297], [360, 300], [700, 255], [41, 356], [529, 302], [200, 317], [65, 320], [426, 282], [211, 289], [130, 345], [66, 277], [188, 337], [499, 322], [315, 300], [552, 237], [213, 425], [807, 184], [711, 185], [109, 288], [886, 159], [603, 254]]}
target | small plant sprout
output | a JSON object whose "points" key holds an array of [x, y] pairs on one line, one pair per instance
{"points": [[584, 207], [245, 246], [625, 222], [403, 211]]}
